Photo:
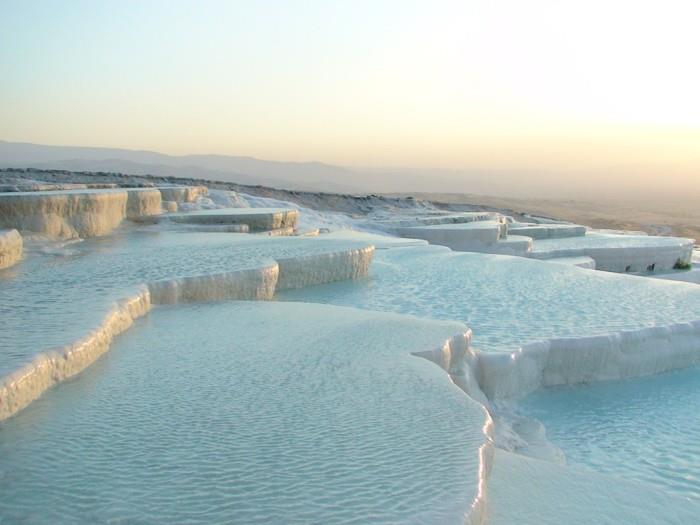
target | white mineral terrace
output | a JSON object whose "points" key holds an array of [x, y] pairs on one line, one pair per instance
{"points": [[182, 193], [10, 248], [564, 243], [392, 225], [257, 219], [79, 283], [489, 236], [546, 231], [689, 275], [619, 253], [68, 213], [256, 413], [364, 393], [478, 232], [65, 213], [521, 314]]}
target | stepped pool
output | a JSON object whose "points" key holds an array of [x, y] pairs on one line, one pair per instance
{"points": [[509, 301], [356, 396], [253, 412], [643, 429], [62, 291]]}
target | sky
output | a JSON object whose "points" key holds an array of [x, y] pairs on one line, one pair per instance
{"points": [[575, 91]]}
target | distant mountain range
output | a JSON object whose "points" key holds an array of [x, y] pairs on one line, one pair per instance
{"points": [[318, 176], [314, 176]]}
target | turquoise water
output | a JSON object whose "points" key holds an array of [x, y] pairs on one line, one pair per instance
{"points": [[509, 301], [248, 412], [603, 240], [643, 429], [59, 292]]}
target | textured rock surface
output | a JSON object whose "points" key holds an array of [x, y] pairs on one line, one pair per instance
{"points": [[547, 231], [169, 206], [182, 193], [257, 219], [176, 267], [477, 236], [458, 236], [143, 202], [521, 314], [619, 253], [64, 214], [255, 413], [10, 248]]}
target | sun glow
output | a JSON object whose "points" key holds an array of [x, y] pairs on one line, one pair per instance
{"points": [[544, 85]]}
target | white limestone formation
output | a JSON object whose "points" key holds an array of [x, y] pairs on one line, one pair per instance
{"points": [[580, 262], [476, 236], [458, 236], [143, 202], [259, 282], [257, 219], [255, 284], [566, 361], [182, 193], [393, 225], [215, 228], [308, 270], [547, 231], [280, 232], [64, 214], [620, 253], [11, 246], [511, 245], [169, 206], [50, 368]]}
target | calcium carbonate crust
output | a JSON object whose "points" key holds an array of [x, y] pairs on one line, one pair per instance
{"points": [[259, 283], [11, 247], [85, 213]]}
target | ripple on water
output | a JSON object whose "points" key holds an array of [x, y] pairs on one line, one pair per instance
{"points": [[643, 429], [250, 413]]}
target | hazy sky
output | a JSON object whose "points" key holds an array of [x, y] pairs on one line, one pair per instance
{"points": [[607, 87]]}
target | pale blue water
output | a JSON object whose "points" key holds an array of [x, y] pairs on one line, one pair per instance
{"points": [[644, 429], [603, 240], [250, 412], [55, 296], [509, 301]]}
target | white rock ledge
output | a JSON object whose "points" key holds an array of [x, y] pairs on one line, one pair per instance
{"points": [[566, 361], [67, 214], [257, 219], [10, 248], [25, 385], [143, 202], [458, 236], [182, 193], [20, 388], [64, 214], [256, 284], [619, 253], [309, 270], [547, 231]]}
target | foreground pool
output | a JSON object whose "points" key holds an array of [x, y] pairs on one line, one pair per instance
{"points": [[643, 429], [60, 292], [510, 301], [250, 412]]}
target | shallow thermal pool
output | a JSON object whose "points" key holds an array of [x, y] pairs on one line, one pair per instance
{"points": [[251, 412], [509, 301], [641, 429], [59, 292], [605, 240]]}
